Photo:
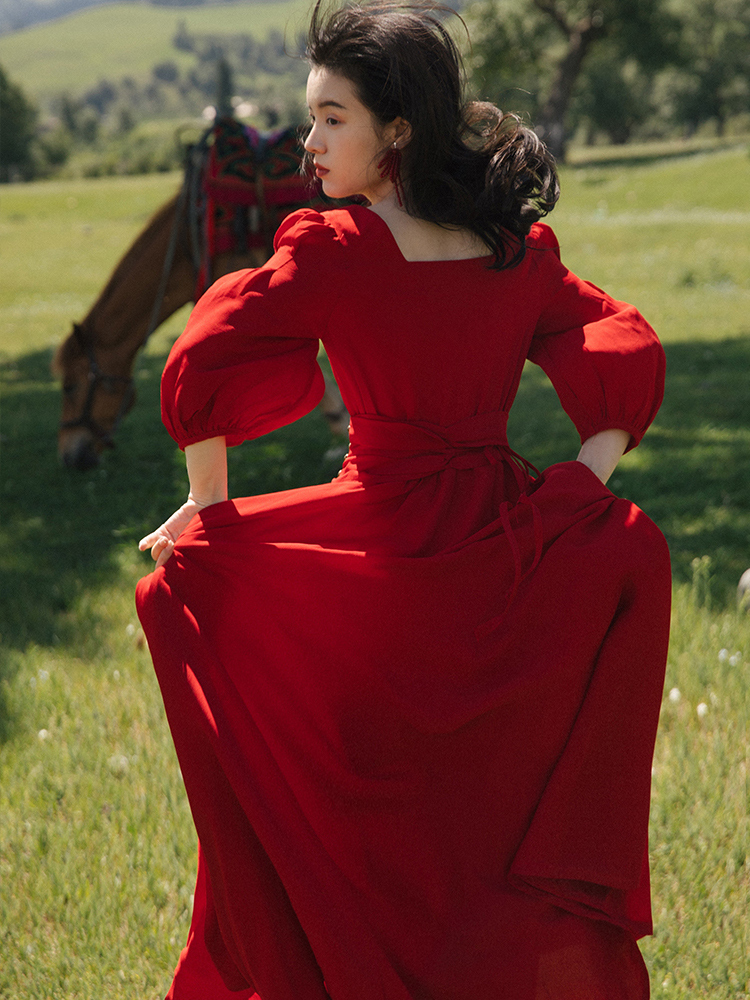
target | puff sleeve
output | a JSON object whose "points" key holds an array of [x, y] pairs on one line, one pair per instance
{"points": [[603, 358], [247, 361]]}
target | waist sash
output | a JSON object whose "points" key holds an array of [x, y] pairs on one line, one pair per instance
{"points": [[393, 450], [396, 449]]}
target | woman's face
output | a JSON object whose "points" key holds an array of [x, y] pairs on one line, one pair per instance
{"points": [[345, 140]]}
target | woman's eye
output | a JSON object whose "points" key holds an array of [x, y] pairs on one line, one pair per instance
{"points": [[332, 121]]}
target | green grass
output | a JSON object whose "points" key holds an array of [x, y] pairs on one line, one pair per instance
{"points": [[127, 39], [96, 844], [671, 237]]}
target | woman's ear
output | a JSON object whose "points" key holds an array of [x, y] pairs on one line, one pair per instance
{"points": [[401, 132]]}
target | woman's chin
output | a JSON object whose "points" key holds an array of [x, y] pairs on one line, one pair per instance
{"points": [[332, 190]]}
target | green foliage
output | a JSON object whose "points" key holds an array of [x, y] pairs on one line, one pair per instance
{"points": [[612, 97], [541, 48], [579, 70], [507, 60], [17, 130], [225, 89], [92, 130], [714, 80], [647, 69]]}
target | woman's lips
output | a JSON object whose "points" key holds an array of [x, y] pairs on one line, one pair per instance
{"points": [[320, 171]]}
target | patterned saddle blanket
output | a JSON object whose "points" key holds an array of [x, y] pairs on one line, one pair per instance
{"points": [[250, 181]]}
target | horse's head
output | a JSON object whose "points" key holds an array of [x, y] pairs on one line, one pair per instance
{"points": [[96, 396]]}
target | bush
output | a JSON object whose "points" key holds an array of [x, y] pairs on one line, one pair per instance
{"points": [[19, 117]]}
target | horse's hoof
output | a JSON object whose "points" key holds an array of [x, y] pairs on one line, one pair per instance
{"points": [[743, 591]]}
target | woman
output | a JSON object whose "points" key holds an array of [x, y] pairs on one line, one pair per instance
{"points": [[414, 708]]}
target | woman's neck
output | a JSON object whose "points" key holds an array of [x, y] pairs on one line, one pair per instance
{"points": [[418, 239]]}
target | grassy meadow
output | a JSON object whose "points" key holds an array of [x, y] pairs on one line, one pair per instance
{"points": [[96, 843]]}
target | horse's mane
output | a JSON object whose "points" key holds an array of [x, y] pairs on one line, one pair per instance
{"points": [[134, 255], [71, 347]]}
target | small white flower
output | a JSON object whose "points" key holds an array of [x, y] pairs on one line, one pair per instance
{"points": [[702, 710], [723, 655], [44, 675], [130, 629], [675, 695], [734, 659], [714, 699], [32, 681], [118, 764], [43, 734], [116, 674]]}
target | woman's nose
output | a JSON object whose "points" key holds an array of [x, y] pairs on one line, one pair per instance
{"points": [[312, 142]]}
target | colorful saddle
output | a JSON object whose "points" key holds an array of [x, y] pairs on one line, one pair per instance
{"points": [[250, 181]]}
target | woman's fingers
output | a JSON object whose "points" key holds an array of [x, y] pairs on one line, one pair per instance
{"points": [[147, 541], [162, 550], [160, 543]]}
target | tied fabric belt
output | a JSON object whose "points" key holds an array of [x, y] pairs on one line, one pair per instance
{"points": [[397, 449], [393, 450]]}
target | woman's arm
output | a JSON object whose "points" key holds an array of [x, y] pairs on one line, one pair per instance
{"points": [[601, 452], [207, 473]]}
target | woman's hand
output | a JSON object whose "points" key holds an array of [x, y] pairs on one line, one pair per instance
{"points": [[601, 452], [161, 542], [207, 471]]}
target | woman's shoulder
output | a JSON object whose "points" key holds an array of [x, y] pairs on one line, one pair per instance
{"points": [[333, 228], [542, 237]]}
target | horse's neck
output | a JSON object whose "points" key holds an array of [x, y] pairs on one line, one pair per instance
{"points": [[121, 315]]}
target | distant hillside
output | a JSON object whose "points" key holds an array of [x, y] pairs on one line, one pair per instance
{"points": [[17, 14], [117, 40]]}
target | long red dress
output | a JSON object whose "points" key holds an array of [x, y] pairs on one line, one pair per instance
{"points": [[414, 708]]}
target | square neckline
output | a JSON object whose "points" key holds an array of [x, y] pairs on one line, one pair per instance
{"points": [[394, 242]]}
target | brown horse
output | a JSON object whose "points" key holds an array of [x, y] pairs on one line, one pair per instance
{"points": [[156, 276]]}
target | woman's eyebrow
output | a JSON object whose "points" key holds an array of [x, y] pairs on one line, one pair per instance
{"points": [[331, 104]]}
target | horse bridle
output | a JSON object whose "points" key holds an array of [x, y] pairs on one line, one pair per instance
{"points": [[96, 378]]}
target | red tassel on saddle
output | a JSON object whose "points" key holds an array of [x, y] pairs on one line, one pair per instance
{"points": [[390, 167]]}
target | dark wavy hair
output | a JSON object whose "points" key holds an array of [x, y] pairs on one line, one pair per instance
{"points": [[466, 164]]}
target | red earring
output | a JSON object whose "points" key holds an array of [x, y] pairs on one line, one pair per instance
{"points": [[390, 167]]}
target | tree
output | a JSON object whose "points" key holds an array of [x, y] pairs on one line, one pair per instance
{"points": [[540, 47], [714, 81], [613, 98], [17, 131], [224, 88]]}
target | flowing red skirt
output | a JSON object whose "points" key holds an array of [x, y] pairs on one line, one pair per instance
{"points": [[419, 767]]}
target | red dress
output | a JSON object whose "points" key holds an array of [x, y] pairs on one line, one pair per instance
{"points": [[414, 708]]}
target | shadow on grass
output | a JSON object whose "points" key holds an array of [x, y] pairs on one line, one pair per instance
{"points": [[691, 474], [62, 533]]}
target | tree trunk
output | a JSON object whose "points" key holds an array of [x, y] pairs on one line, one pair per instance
{"points": [[550, 125]]}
